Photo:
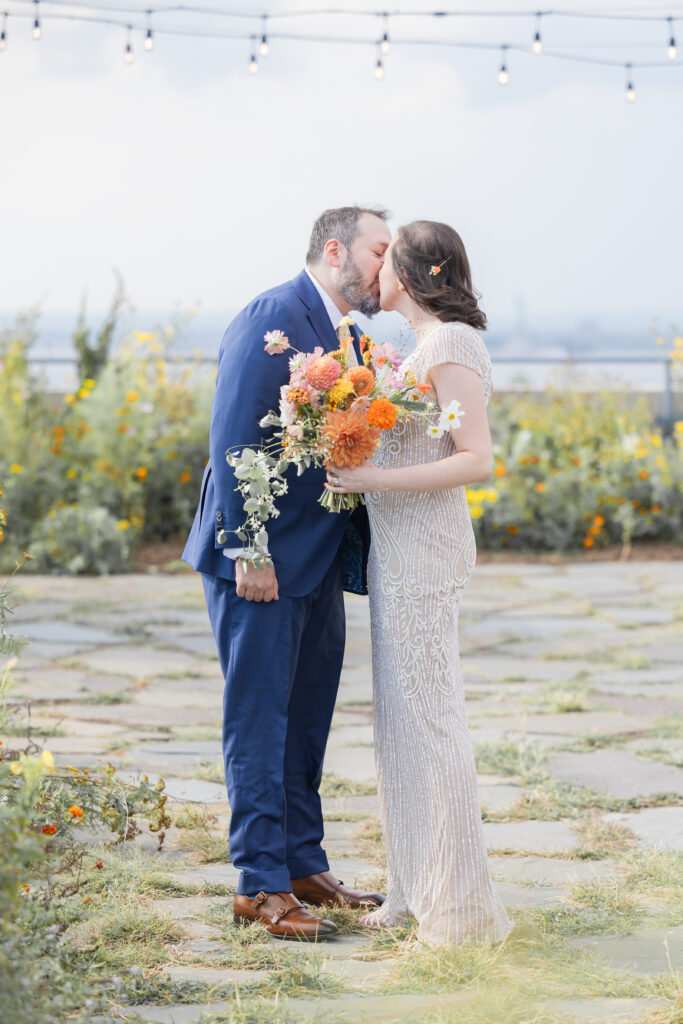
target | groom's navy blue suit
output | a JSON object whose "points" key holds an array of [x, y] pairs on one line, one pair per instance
{"points": [[281, 660]]}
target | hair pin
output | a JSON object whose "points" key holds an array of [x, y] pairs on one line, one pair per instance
{"points": [[436, 269]]}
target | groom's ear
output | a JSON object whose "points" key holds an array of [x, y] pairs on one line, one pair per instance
{"points": [[332, 251]]}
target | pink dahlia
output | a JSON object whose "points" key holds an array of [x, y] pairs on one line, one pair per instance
{"points": [[323, 373]]}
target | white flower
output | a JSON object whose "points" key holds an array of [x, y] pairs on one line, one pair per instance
{"points": [[451, 415], [435, 430], [276, 341]]}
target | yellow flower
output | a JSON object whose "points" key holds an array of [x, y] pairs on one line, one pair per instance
{"points": [[491, 494], [47, 760], [71, 473], [69, 399], [132, 396], [341, 390], [123, 524], [3, 517], [476, 512], [82, 392], [16, 468], [15, 768], [89, 383]]}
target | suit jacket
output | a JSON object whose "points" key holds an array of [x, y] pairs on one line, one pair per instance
{"points": [[305, 538]]}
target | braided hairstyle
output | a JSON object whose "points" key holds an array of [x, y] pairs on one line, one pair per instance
{"points": [[430, 261]]}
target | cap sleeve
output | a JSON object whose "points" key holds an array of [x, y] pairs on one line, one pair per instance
{"points": [[455, 343]]}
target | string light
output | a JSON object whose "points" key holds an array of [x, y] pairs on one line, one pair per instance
{"points": [[379, 70], [128, 50], [264, 38], [36, 22], [3, 34], [630, 89], [253, 65], [149, 42], [538, 42], [672, 40], [385, 44], [503, 76]]}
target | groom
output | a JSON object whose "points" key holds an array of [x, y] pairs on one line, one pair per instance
{"points": [[280, 631]]}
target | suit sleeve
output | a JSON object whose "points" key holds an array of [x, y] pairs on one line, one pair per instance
{"points": [[247, 386]]}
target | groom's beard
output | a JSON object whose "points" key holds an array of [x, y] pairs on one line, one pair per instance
{"points": [[351, 287]]}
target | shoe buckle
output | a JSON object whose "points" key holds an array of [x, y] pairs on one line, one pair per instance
{"points": [[279, 913], [260, 898]]}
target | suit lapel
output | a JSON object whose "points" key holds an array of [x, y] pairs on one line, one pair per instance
{"points": [[316, 312]]}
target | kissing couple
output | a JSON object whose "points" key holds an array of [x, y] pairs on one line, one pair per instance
{"points": [[280, 630]]}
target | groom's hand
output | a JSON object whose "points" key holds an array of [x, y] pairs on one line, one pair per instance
{"points": [[255, 584]]}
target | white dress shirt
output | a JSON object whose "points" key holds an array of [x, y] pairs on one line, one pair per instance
{"points": [[335, 316]]}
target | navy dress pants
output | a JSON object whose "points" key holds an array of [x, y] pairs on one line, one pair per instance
{"points": [[282, 662]]}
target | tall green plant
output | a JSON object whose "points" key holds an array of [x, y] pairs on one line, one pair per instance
{"points": [[93, 357]]}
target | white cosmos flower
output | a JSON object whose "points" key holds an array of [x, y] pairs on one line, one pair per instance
{"points": [[435, 430], [451, 415]]}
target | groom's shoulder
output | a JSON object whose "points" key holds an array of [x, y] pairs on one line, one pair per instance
{"points": [[283, 298]]}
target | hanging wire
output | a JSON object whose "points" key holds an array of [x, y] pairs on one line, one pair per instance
{"points": [[630, 88], [503, 76], [538, 42]]}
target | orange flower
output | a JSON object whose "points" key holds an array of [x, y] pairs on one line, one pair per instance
{"points": [[382, 414], [588, 542], [513, 530], [363, 380], [594, 530], [122, 428], [599, 520], [185, 477], [141, 473], [49, 830], [299, 395], [323, 373], [576, 461], [500, 469], [74, 811], [643, 474], [99, 865], [533, 459], [424, 388], [351, 437], [539, 486], [656, 509]]}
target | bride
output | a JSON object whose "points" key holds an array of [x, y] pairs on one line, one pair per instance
{"points": [[421, 559]]}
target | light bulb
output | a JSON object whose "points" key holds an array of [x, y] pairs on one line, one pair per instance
{"points": [[503, 76], [128, 54], [538, 44], [264, 46], [253, 65], [630, 93], [36, 29], [3, 40], [379, 71], [149, 42], [672, 49], [385, 43]]}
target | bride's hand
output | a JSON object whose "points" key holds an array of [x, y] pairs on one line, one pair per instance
{"points": [[359, 480]]}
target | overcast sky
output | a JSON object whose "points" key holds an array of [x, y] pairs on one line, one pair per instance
{"points": [[200, 182]]}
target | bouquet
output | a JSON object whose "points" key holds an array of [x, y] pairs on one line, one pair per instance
{"points": [[331, 413]]}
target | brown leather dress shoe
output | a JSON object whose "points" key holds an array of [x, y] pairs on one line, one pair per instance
{"points": [[324, 890], [283, 916]]}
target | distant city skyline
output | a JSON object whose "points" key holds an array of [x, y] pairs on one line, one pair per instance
{"points": [[200, 182]]}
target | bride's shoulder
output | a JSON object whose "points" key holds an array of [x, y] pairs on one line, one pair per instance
{"points": [[458, 339]]}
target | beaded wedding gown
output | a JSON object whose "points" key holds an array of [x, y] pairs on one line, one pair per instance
{"points": [[421, 558]]}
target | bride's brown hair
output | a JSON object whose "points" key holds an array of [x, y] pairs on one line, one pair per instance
{"points": [[430, 261]]}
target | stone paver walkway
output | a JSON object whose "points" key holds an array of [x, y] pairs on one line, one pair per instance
{"points": [[573, 676]]}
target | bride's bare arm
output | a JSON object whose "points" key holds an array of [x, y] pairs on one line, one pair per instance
{"points": [[472, 462]]}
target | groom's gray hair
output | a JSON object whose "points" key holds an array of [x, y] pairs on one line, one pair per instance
{"points": [[341, 223]]}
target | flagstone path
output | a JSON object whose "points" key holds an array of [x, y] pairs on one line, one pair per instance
{"points": [[577, 664]]}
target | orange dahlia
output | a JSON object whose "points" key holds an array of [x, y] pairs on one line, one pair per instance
{"points": [[352, 438], [363, 380], [323, 373], [382, 414]]}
